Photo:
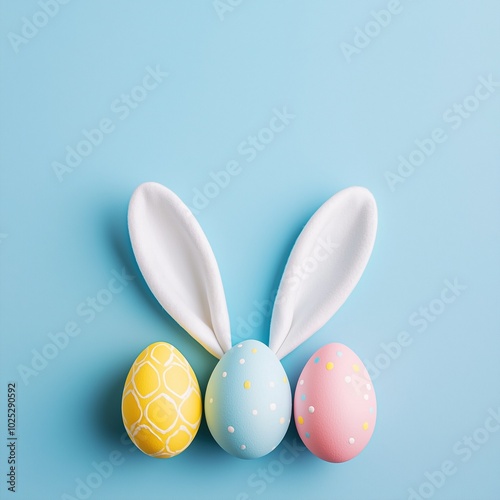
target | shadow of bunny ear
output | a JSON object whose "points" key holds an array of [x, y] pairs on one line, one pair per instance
{"points": [[116, 231]]}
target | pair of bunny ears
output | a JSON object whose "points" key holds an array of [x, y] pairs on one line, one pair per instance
{"points": [[180, 268]]}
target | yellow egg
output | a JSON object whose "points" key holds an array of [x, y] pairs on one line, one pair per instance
{"points": [[161, 403]]}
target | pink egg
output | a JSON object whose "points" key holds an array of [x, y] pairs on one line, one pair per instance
{"points": [[335, 406]]}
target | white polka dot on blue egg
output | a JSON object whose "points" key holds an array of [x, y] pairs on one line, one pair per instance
{"points": [[248, 402]]}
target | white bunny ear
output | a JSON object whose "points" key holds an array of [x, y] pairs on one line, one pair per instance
{"points": [[324, 266], [179, 265]]}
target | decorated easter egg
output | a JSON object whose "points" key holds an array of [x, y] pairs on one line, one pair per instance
{"points": [[335, 408], [161, 403], [248, 402]]}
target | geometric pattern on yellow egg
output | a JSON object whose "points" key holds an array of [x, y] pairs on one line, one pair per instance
{"points": [[161, 403]]}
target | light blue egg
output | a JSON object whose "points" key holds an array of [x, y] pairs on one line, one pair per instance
{"points": [[248, 403]]}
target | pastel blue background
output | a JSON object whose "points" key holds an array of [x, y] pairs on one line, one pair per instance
{"points": [[352, 121]]}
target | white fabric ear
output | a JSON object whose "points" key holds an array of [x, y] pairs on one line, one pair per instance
{"points": [[178, 265], [324, 266]]}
